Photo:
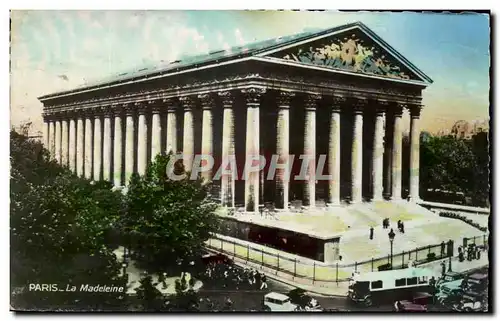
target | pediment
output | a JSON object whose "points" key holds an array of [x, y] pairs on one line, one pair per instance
{"points": [[351, 50]]}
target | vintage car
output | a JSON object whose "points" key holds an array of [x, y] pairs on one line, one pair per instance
{"points": [[418, 304], [389, 286], [470, 303], [304, 301], [448, 277], [274, 301], [477, 282], [450, 292], [408, 306]]}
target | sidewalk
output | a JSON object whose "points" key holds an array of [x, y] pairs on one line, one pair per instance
{"points": [[332, 288]]}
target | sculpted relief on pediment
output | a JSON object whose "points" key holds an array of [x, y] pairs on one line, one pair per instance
{"points": [[351, 53]]}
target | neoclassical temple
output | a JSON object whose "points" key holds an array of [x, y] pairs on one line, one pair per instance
{"points": [[339, 92]]}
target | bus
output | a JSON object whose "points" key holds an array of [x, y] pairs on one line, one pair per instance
{"points": [[390, 286]]}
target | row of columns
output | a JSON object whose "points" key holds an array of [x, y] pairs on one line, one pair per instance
{"points": [[88, 138]]}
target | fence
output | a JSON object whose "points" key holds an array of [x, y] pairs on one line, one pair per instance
{"points": [[331, 273]]}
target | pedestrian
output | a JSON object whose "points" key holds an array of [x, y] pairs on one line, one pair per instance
{"points": [[384, 223], [371, 233], [442, 248], [399, 225], [263, 280], [258, 279], [402, 228], [478, 254], [443, 268]]}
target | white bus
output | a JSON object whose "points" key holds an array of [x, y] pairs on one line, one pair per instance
{"points": [[389, 286]]}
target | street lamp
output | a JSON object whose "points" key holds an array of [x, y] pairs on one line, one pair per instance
{"points": [[391, 239]]}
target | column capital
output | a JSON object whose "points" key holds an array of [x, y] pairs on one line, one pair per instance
{"points": [[171, 105], [283, 99], [207, 101], [358, 105], [253, 94], [398, 110], [227, 98], [337, 102], [141, 107], [128, 109], [311, 101], [414, 110], [187, 102]]}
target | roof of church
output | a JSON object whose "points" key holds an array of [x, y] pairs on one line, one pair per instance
{"points": [[218, 56]]}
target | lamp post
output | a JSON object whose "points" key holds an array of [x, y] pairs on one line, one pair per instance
{"points": [[391, 239]]}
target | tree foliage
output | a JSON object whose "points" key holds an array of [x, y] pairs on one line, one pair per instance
{"points": [[167, 220], [59, 229], [456, 165]]}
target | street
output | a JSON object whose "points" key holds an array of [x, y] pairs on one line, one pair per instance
{"points": [[250, 299]]}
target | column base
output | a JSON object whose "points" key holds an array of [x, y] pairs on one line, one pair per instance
{"points": [[377, 199], [396, 199], [414, 199], [282, 209], [333, 204]]}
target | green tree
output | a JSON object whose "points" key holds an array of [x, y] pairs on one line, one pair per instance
{"points": [[59, 227], [456, 165], [167, 220]]}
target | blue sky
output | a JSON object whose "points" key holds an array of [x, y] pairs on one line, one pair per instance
{"points": [[54, 50]]}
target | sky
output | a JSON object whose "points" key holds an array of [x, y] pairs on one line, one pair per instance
{"points": [[58, 50]]}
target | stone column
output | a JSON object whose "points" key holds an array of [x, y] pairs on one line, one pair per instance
{"points": [[129, 144], [188, 138], [117, 148], [378, 155], [64, 142], [228, 149], [283, 150], [58, 141], [97, 148], [334, 152], [357, 153], [155, 132], [414, 152], [389, 133], [397, 152], [72, 148], [142, 141], [52, 139], [80, 146], [310, 105], [89, 130], [171, 142], [107, 147], [207, 132], [252, 97], [46, 133]]}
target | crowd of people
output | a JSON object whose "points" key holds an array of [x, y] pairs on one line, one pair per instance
{"points": [[233, 278], [470, 252]]}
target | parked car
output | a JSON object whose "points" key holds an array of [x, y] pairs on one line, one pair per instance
{"points": [[450, 293], [304, 301], [471, 303], [448, 277], [274, 301], [418, 304], [408, 306]]}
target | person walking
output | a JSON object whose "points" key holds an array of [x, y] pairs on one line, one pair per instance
{"points": [[443, 268], [402, 228], [371, 233], [263, 280]]}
